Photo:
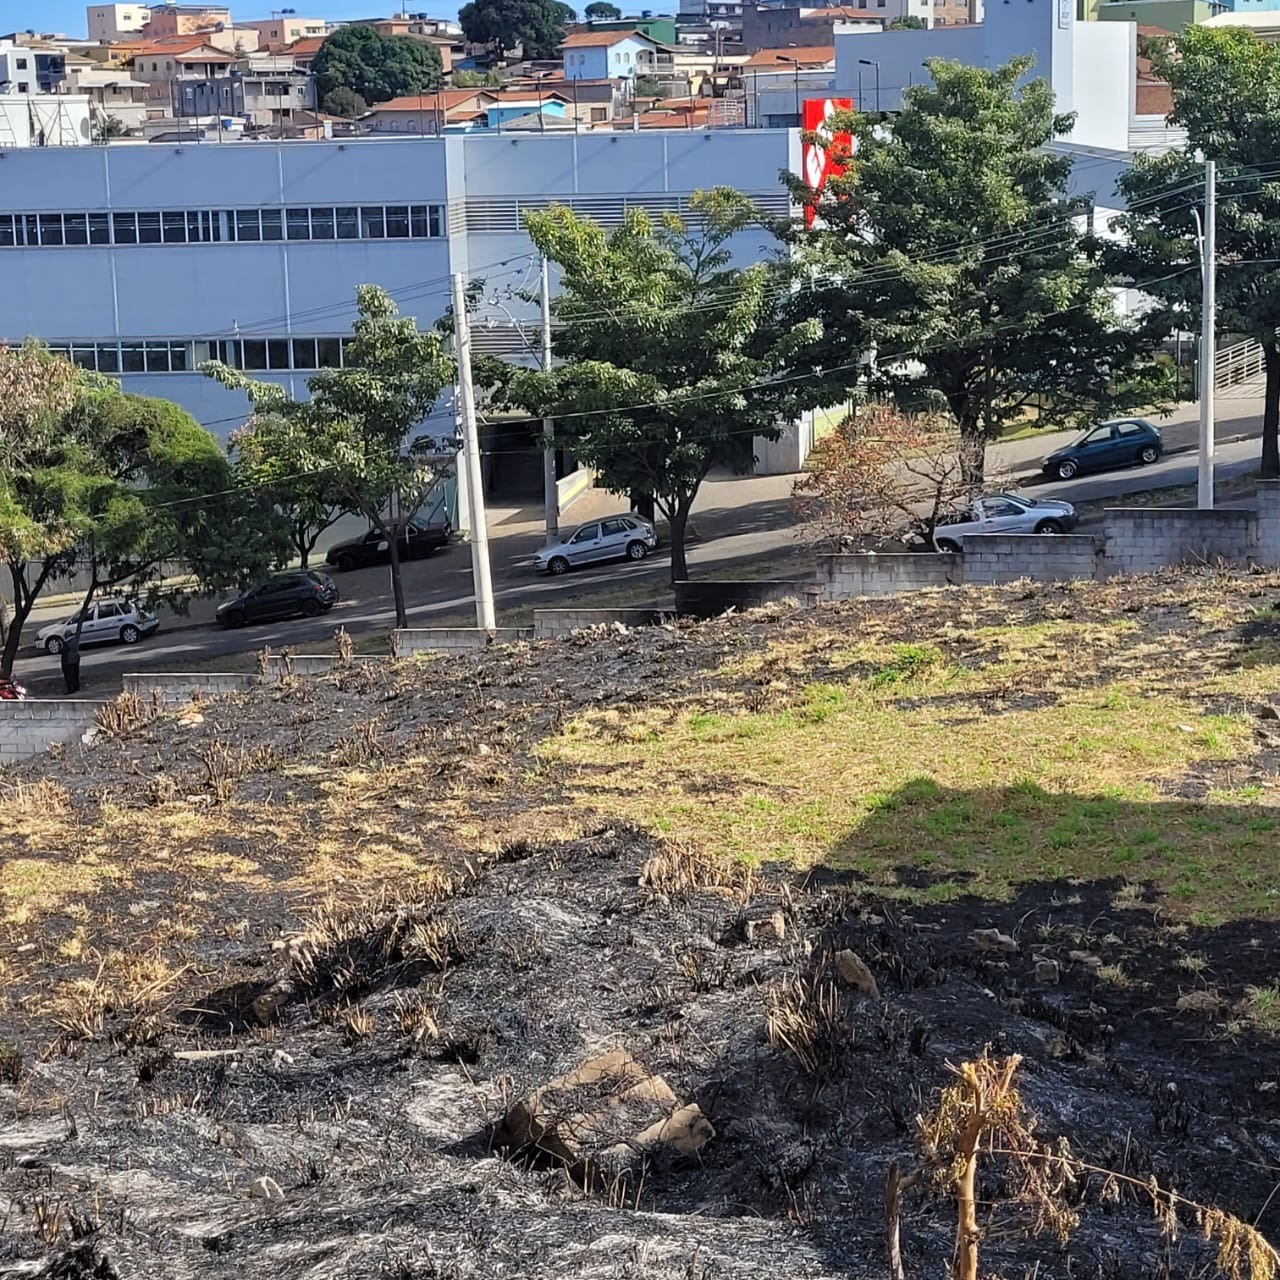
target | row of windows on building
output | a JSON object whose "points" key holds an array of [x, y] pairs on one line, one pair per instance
{"points": [[208, 226], [185, 356]]}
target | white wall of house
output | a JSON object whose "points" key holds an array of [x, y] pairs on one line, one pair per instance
{"points": [[116, 21]]}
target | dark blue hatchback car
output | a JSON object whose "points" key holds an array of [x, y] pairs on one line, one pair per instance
{"points": [[1127, 442]]}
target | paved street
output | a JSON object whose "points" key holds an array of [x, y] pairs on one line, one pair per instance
{"points": [[739, 523]]}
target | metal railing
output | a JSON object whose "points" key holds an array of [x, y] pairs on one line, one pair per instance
{"points": [[1240, 363]]}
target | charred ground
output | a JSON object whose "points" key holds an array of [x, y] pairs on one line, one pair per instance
{"points": [[327, 932]]}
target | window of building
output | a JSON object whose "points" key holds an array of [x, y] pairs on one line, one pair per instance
{"points": [[209, 226]]}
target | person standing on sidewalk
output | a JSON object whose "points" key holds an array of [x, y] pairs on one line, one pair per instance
{"points": [[70, 658]]}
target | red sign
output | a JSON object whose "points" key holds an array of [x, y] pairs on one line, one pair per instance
{"points": [[817, 160]]}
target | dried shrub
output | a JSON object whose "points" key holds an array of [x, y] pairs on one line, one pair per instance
{"points": [[129, 713], [681, 869], [346, 648], [806, 1016], [45, 798]]}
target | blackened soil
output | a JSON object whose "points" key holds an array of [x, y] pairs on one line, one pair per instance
{"points": [[134, 1160]]}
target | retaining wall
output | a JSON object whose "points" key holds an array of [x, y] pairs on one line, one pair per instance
{"points": [[844, 577], [186, 686], [453, 639], [28, 728], [550, 623], [1007, 557], [702, 598], [1143, 539], [1267, 522]]}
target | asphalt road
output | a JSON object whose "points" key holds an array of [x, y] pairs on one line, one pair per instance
{"points": [[753, 522]]}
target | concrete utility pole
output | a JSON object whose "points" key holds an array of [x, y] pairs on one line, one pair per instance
{"points": [[1208, 334], [483, 579], [550, 493]]}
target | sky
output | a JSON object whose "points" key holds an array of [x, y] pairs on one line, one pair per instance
{"points": [[67, 16]]}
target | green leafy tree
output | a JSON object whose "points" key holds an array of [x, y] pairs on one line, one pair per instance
{"points": [[535, 26], [344, 102], [307, 504], [375, 68], [1226, 94], [466, 79], [115, 486], [357, 427], [668, 353], [648, 87], [603, 10], [107, 127], [908, 23], [947, 251], [145, 490]]}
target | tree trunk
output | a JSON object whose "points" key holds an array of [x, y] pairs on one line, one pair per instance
{"points": [[973, 453], [1271, 414], [965, 1264], [24, 599], [397, 583], [643, 505], [678, 521]]}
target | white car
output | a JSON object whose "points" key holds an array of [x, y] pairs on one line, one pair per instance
{"points": [[613, 538], [105, 622]]}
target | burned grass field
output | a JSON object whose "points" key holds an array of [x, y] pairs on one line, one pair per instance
{"points": [[646, 954]]}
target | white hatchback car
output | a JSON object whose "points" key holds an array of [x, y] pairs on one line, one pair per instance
{"points": [[106, 622], [614, 538]]}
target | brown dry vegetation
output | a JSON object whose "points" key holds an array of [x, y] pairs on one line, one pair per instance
{"points": [[964, 756]]}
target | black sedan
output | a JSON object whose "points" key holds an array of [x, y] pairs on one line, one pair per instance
{"points": [[284, 595], [417, 541]]}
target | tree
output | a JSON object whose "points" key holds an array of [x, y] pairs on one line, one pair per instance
{"points": [[1226, 94], [535, 26], [356, 427], [344, 102], [144, 487], [120, 485], [373, 67], [603, 10], [107, 127], [647, 87], [880, 475], [908, 23], [476, 79], [947, 249], [667, 351], [308, 504]]}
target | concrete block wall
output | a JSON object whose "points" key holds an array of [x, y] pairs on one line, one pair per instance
{"points": [[704, 598], [1006, 557], [550, 623], [28, 728], [1267, 523], [1144, 539], [845, 577], [452, 639], [180, 687]]}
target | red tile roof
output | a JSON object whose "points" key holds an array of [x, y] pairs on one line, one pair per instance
{"points": [[818, 55], [602, 39]]}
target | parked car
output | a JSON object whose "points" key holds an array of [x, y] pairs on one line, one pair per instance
{"points": [[105, 622], [1124, 443], [999, 513], [284, 595], [614, 538], [418, 539]]}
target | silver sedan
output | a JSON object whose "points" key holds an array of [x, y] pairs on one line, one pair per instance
{"points": [[613, 538]]}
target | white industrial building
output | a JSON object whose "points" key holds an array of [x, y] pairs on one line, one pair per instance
{"points": [[143, 260]]}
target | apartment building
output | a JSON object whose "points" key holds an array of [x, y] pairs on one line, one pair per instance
{"points": [[110, 22]]}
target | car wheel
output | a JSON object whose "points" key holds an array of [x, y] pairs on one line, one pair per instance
{"points": [[948, 545], [312, 608], [636, 551], [558, 565], [130, 634], [345, 564], [54, 644], [236, 618], [1148, 454], [1066, 468], [1049, 526]]}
